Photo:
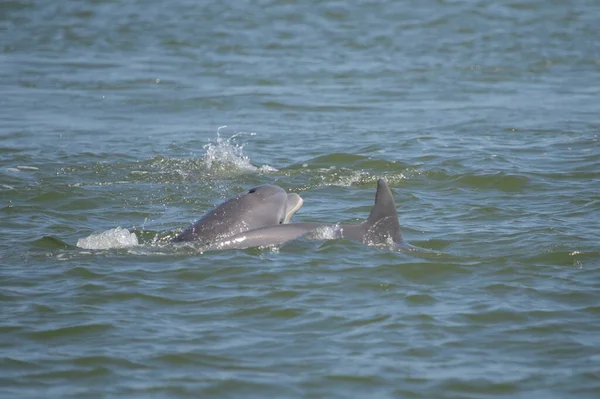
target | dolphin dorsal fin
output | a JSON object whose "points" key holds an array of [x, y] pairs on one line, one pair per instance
{"points": [[382, 223]]}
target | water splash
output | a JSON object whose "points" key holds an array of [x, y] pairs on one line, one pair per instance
{"points": [[113, 238], [225, 156], [222, 158], [323, 233]]}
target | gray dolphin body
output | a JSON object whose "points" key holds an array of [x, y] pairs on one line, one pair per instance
{"points": [[256, 208], [380, 228]]}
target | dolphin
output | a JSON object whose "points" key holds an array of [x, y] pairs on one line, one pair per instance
{"points": [[260, 206], [381, 228]]}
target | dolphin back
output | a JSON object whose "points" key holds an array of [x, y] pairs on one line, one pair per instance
{"points": [[382, 225]]}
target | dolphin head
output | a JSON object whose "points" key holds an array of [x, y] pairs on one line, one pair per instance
{"points": [[272, 203], [265, 205]]}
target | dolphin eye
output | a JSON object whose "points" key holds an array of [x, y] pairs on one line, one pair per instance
{"points": [[251, 191]]}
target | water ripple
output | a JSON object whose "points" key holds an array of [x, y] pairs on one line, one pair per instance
{"points": [[480, 115]]}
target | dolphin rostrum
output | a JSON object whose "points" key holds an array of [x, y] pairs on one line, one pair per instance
{"points": [[380, 228], [258, 207]]}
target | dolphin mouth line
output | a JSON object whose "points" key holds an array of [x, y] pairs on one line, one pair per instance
{"points": [[290, 212]]}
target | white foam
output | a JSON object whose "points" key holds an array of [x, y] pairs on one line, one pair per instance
{"points": [[113, 238], [328, 232], [225, 155], [346, 178]]}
